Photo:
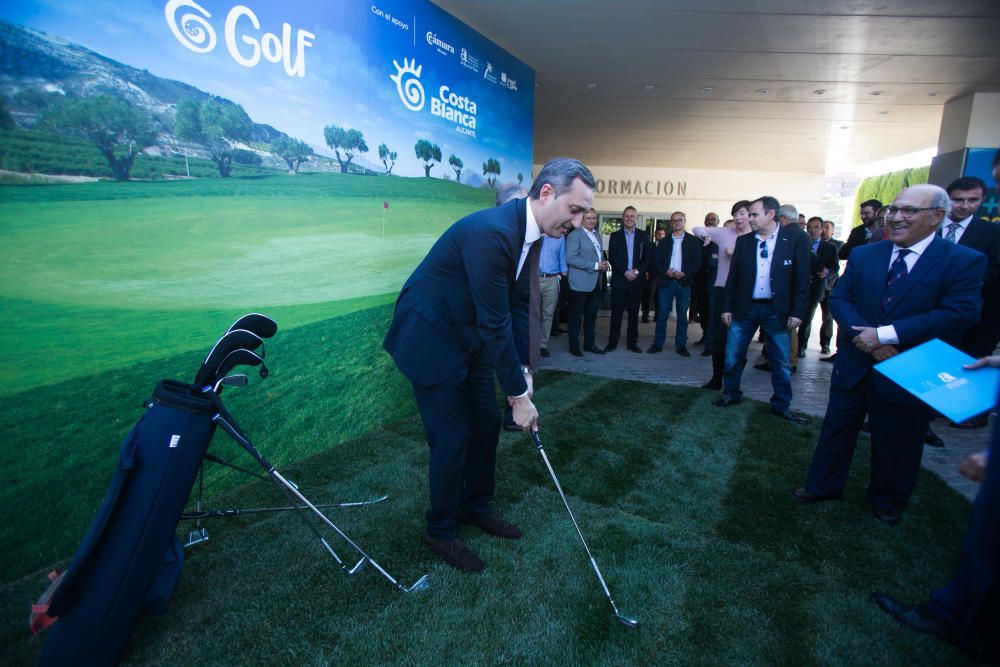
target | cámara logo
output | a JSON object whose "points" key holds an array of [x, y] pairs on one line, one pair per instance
{"points": [[442, 45], [242, 33]]}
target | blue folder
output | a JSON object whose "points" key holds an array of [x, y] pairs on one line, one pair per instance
{"points": [[933, 373]]}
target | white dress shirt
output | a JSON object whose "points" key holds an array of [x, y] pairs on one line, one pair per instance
{"points": [[762, 286], [887, 334], [531, 234]]}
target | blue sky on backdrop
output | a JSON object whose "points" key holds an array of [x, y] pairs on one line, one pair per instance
{"points": [[346, 68]]}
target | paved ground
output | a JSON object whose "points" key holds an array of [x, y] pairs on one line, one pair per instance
{"points": [[810, 386]]}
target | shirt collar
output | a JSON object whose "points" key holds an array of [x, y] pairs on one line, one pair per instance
{"points": [[963, 223], [919, 247], [531, 231]]}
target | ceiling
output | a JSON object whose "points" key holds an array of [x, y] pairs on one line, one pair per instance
{"points": [[799, 85]]}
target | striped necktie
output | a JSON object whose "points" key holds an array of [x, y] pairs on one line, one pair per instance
{"points": [[897, 272], [952, 230]]}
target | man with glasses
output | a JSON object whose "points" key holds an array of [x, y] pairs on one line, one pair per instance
{"points": [[767, 287], [894, 295], [629, 252], [676, 261]]}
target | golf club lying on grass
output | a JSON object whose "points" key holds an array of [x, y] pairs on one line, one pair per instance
{"points": [[235, 511], [624, 620]]}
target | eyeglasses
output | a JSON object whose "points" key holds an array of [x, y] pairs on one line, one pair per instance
{"points": [[908, 211], [763, 249]]}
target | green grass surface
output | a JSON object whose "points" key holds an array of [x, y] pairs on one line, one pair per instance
{"points": [[685, 509], [101, 275]]}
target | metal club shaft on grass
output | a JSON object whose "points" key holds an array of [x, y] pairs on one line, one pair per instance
{"points": [[624, 620]]}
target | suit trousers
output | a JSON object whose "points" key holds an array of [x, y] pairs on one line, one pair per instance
{"points": [[897, 445], [550, 299], [583, 304], [622, 299], [816, 289], [719, 334], [462, 424], [826, 329]]}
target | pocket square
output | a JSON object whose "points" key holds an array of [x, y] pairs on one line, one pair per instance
{"points": [[788, 262]]}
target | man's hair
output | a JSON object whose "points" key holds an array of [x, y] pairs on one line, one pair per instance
{"points": [[830, 222], [627, 209], [508, 192], [816, 217], [874, 203], [681, 212], [788, 212], [769, 203], [939, 197], [743, 203], [966, 183], [560, 172]]}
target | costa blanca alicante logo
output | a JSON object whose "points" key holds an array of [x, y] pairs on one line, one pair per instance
{"points": [[189, 22], [407, 79], [448, 104]]}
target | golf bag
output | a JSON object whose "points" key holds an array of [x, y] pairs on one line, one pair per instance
{"points": [[130, 558]]}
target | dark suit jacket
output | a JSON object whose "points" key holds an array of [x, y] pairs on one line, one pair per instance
{"points": [[985, 237], [618, 256], [458, 301], [940, 300], [825, 257], [857, 237], [690, 258], [789, 274]]}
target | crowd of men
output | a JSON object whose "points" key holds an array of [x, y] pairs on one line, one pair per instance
{"points": [[483, 302]]}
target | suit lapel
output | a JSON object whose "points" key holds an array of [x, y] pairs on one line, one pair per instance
{"points": [[521, 224], [877, 273], [926, 263]]}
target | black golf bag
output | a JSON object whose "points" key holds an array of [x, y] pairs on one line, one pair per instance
{"points": [[130, 558]]}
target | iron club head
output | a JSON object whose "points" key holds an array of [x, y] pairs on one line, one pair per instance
{"points": [[626, 621], [419, 585]]}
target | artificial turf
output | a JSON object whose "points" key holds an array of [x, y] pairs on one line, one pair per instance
{"points": [[686, 511]]}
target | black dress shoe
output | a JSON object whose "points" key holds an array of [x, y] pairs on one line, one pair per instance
{"points": [[887, 515], [706, 353], [832, 358], [576, 353], [824, 350], [557, 331], [700, 341], [802, 354], [763, 366], [645, 319], [495, 526], [712, 384], [802, 495], [917, 618], [726, 401], [932, 439], [653, 349], [594, 350], [683, 352], [545, 352], [455, 553], [790, 416], [634, 348], [611, 347]]}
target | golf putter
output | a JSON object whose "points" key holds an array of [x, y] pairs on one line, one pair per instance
{"points": [[624, 620]]}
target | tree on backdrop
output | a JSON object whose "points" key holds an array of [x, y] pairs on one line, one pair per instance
{"points": [[6, 119], [456, 164], [491, 170], [350, 141], [388, 158], [118, 130], [216, 125], [293, 151], [243, 156], [429, 153]]}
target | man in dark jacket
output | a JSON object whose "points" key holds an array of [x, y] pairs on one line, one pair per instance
{"points": [[676, 261]]}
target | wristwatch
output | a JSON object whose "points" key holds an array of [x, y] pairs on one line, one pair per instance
{"points": [[527, 371]]}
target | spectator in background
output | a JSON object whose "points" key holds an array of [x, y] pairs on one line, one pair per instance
{"points": [[767, 288], [552, 268], [861, 234], [649, 290], [585, 259], [630, 253], [701, 289], [822, 262], [826, 330], [788, 216], [725, 239], [676, 262], [893, 296]]}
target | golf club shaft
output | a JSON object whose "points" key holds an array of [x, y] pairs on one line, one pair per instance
{"points": [[597, 570], [217, 514]]}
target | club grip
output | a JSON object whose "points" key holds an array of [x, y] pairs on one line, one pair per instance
{"points": [[535, 439]]}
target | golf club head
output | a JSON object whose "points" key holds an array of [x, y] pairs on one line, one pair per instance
{"points": [[358, 566], [235, 380], [262, 325], [233, 340], [419, 585], [626, 621], [240, 357]]}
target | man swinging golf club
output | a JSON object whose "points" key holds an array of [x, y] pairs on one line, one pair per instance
{"points": [[451, 330]]}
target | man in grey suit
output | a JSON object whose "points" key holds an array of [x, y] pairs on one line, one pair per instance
{"points": [[585, 260]]}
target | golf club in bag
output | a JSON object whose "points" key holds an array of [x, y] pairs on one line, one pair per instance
{"points": [[130, 558], [624, 620]]}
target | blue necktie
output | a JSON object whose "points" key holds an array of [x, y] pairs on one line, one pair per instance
{"points": [[897, 272]]}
